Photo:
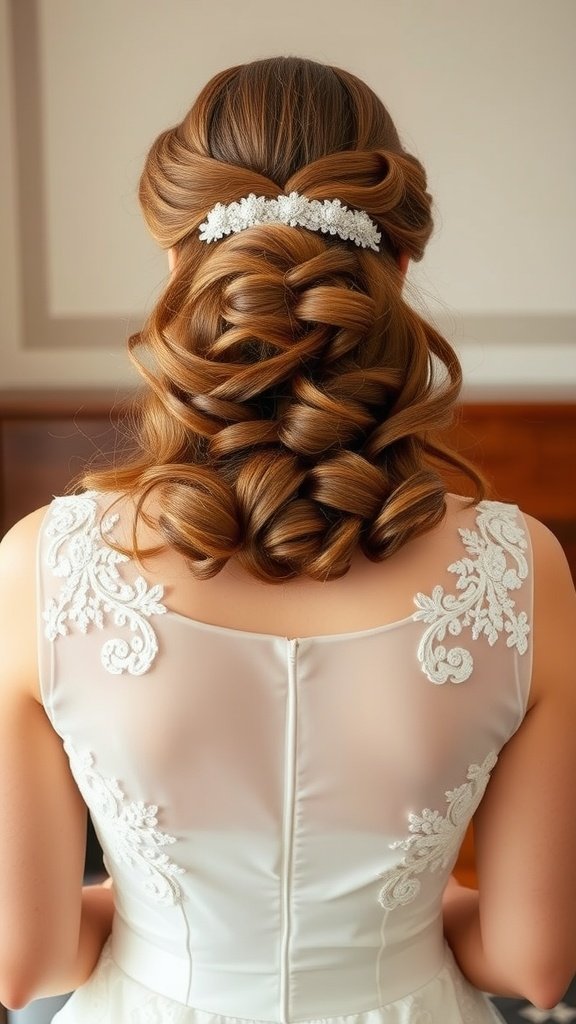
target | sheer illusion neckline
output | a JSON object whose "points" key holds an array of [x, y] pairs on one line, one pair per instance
{"points": [[234, 631], [321, 637]]}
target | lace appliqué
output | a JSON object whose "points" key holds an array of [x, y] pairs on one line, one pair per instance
{"points": [[485, 603], [92, 586], [435, 840], [128, 828]]}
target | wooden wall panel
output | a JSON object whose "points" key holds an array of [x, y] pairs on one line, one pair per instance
{"points": [[528, 451], [42, 461], [46, 439]]}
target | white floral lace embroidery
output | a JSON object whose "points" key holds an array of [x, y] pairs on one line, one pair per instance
{"points": [[128, 828], [92, 586], [485, 603], [435, 840]]}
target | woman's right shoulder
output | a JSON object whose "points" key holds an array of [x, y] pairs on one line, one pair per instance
{"points": [[544, 541], [553, 617]]}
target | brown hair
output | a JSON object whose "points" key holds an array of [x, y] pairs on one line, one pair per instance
{"points": [[292, 392]]}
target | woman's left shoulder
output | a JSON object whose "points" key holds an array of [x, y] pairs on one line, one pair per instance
{"points": [[18, 612], [16, 541]]}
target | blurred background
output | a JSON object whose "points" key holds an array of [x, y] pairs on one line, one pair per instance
{"points": [[483, 94]]}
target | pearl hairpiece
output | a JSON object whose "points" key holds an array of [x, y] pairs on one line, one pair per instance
{"points": [[328, 216]]}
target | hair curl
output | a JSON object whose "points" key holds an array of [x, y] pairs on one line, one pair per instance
{"points": [[292, 394]]}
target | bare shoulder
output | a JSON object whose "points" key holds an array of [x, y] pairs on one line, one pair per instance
{"points": [[544, 542], [17, 539], [554, 617], [553, 582], [18, 550], [18, 604]]}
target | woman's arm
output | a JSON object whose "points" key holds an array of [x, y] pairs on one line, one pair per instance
{"points": [[517, 936], [462, 930], [50, 933], [95, 926]]}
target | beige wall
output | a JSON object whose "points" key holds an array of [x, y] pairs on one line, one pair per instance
{"points": [[483, 94]]}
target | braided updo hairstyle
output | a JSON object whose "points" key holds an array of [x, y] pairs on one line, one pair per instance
{"points": [[292, 394]]}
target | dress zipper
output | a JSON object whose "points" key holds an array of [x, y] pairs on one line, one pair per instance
{"points": [[288, 830]]}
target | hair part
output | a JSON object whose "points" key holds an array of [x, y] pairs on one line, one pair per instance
{"points": [[292, 396]]}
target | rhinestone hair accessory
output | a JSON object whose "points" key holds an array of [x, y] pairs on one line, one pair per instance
{"points": [[329, 216]]}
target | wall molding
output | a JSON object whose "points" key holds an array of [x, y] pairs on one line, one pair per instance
{"points": [[42, 331]]}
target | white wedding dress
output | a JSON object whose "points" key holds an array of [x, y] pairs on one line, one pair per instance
{"points": [[280, 817]]}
